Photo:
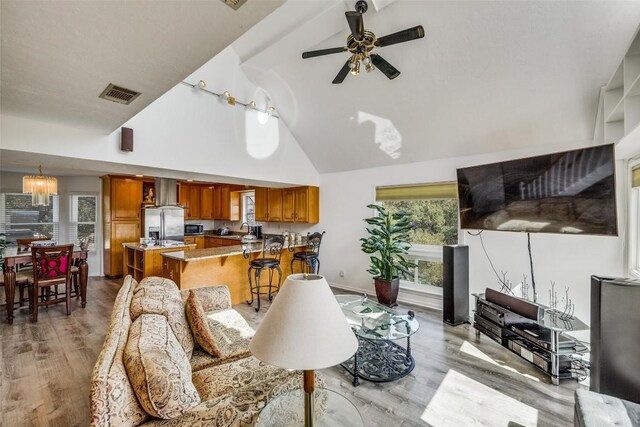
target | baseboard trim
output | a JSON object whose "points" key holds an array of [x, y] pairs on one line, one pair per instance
{"points": [[405, 296]]}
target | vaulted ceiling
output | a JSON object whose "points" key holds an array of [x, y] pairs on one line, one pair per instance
{"points": [[58, 56], [487, 77]]}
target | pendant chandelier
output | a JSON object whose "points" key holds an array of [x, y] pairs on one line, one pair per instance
{"points": [[40, 187]]}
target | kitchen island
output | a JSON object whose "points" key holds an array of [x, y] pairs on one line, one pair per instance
{"points": [[226, 265], [142, 261]]}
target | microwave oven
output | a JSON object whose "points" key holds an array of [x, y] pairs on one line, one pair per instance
{"points": [[193, 229]]}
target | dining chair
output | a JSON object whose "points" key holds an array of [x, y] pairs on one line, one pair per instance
{"points": [[24, 269], [51, 267]]}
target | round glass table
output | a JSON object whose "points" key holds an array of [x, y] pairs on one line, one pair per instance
{"points": [[332, 410], [378, 358]]}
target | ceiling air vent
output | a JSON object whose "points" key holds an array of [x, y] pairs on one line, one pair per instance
{"points": [[119, 94], [234, 4]]}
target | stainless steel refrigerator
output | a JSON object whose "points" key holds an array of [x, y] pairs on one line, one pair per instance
{"points": [[163, 223]]}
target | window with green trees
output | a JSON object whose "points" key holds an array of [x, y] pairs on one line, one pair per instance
{"points": [[83, 218], [434, 217], [20, 220]]}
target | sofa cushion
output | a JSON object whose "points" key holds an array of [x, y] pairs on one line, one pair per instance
{"points": [[158, 368], [595, 410], [228, 378], [157, 295], [200, 359], [112, 400], [224, 334], [213, 298]]}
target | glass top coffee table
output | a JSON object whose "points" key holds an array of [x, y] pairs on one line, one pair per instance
{"points": [[332, 410], [378, 358]]}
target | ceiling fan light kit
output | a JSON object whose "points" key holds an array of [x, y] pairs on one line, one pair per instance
{"points": [[360, 44]]}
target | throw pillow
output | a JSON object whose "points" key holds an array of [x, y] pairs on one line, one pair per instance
{"points": [[158, 368], [156, 295], [222, 333]]}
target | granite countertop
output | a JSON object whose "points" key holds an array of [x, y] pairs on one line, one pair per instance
{"points": [[140, 247], [202, 254]]}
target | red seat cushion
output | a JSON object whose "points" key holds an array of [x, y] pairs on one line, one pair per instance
{"points": [[54, 267]]}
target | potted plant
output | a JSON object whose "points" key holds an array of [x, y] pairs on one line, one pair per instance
{"points": [[388, 243]]}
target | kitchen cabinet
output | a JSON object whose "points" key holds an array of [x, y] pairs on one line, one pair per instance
{"points": [[194, 201], [194, 240], [206, 202], [121, 232], [121, 208], [141, 262], [126, 199], [217, 242], [301, 204], [275, 205], [226, 203], [184, 198], [261, 203]]}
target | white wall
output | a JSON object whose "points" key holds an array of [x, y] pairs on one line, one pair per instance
{"points": [[67, 186], [183, 130], [568, 260]]}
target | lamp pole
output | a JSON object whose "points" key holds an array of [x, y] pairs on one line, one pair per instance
{"points": [[309, 398]]}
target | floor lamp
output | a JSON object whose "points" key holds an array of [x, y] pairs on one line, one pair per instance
{"points": [[306, 330]]}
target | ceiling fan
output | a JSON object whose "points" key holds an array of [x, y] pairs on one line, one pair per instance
{"points": [[361, 42]]}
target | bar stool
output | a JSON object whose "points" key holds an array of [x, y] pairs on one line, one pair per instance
{"points": [[309, 256], [272, 246]]}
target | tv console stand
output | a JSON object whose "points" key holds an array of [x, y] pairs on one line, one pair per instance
{"points": [[543, 343]]}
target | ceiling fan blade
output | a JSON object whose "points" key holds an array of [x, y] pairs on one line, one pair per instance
{"points": [[342, 74], [401, 36], [381, 64], [314, 53], [356, 24]]}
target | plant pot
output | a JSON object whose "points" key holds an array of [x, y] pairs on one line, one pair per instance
{"points": [[387, 291]]}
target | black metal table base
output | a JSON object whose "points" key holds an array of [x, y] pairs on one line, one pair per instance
{"points": [[379, 361]]}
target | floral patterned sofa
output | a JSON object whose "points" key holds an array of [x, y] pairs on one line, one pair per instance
{"points": [[201, 390]]}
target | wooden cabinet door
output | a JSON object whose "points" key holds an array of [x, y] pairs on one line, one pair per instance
{"points": [[194, 201], [184, 199], [288, 204], [275, 204], [121, 232], [261, 203], [126, 199], [189, 240], [209, 242], [301, 210], [206, 203], [222, 202], [199, 242]]}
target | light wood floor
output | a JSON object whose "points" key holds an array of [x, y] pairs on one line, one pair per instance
{"points": [[45, 369]]}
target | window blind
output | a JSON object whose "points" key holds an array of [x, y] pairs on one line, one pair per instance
{"points": [[441, 190], [635, 177], [20, 220]]}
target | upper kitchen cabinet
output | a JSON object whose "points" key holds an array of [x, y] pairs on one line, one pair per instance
{"points": [[126, 198], [194, 202], [189, 198], [275, 204], [206, 202], [222, 202], [261, 203], [301, 204]]}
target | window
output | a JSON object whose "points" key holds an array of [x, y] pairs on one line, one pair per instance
{"points": [[634, 222], [434, 215], [83, 214], [20, 220], [248, 207]]}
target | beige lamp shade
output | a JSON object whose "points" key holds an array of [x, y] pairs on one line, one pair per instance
{"points": [[304, 328]]}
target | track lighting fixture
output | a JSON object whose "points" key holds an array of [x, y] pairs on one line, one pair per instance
{"points": [[263, 115]]}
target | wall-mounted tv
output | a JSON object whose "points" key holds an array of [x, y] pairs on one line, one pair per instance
{"points": [[572, 192]]}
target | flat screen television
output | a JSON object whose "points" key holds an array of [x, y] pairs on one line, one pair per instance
{"points": [[572, 192]]}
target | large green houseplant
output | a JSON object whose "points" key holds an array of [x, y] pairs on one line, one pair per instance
{"points": [[388, 244]]}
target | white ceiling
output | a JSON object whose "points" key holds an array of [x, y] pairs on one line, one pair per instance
{"points": [[58, 56], [488, 77]]}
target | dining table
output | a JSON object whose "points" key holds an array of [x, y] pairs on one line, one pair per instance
{"points": [[17, 258]]}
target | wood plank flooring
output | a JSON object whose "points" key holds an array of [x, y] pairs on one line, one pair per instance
{"points": [[45, 369]]}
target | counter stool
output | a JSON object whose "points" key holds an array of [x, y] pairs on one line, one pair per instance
{"points": [[272, 246], [309, 256]]}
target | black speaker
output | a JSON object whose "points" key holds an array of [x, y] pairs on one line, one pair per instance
{"points": [[615, 337], [126, 139], [455, 284]]}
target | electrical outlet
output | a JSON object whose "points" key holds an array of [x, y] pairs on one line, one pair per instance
{"points": [[341, 273]]}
